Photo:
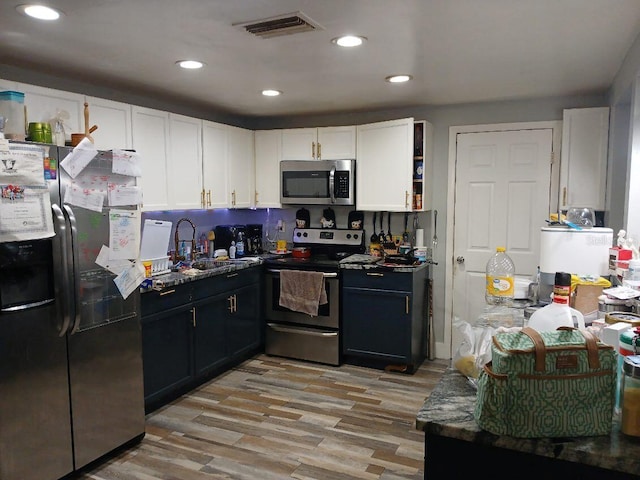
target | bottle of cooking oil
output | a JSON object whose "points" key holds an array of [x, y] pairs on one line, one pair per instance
{"points": [[500, 278]]}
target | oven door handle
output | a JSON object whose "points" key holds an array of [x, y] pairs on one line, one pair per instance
{"points": [[325, 274], [299, 331]]}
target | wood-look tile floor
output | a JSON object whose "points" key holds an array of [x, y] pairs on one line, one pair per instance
{"points": [[272, 418]]}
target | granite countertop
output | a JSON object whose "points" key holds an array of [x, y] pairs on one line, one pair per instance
{"points": [[225, 266], [369, 262], [448, 412]]}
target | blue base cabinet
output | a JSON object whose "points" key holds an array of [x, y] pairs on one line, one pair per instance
{"points": [[196, 330], [384, 318]]}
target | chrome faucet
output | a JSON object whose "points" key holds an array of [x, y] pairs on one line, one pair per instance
{"points": [[192, 255]]}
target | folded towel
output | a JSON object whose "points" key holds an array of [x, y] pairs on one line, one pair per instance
{"points": [[302, 291]]}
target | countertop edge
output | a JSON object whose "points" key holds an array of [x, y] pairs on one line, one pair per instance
{"points": [[448, 412]]}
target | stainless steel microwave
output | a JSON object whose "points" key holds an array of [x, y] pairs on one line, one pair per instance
{"points": [[317, 182]]}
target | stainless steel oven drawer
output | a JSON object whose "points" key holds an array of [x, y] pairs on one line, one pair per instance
{"points": [[303, 343]]}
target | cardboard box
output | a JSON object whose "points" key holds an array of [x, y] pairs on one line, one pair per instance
{"points": [[585, 298]]}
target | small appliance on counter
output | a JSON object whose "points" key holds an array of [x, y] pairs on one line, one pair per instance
{"points": [[580, 252], [253, 233], [224, 235]]}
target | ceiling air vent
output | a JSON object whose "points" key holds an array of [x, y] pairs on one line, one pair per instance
{"points": [[287, 24]]}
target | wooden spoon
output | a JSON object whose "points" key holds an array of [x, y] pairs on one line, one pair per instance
{"points": [[87, 132]]}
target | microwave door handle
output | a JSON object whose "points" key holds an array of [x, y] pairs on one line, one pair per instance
{"points": [[332, 184], [61, 272], [72, 265]]}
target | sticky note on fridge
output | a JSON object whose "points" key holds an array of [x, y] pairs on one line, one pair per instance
{"points": [[79, 157]]}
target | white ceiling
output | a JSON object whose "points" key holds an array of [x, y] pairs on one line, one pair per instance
{"points": [[458, 51]]}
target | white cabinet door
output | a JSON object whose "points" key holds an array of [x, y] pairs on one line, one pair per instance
{"points": [[114, 123], [185, 162], [384, 166], [241, 166], [150, 137], [324, 143], [336, 143], [44, 104], [214, 165], [583, 166], [299, 143], [267, 157]]}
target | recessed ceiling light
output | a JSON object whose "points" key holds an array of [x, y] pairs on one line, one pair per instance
{"points": [[398, 78], [349, 40], [41, 12], [190, 64], [271, 93]]}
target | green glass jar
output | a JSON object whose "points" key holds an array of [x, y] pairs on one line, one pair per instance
{"points": [[40, 132]]}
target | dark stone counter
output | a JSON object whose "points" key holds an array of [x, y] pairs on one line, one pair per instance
{"points": [[447, 420]]}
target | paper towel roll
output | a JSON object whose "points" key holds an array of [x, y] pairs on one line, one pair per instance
{"points": [[419, 237]]}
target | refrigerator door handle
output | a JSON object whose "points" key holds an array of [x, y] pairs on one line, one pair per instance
{"points": [[61, 273], [73, 267]]}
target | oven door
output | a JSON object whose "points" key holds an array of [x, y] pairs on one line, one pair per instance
{"points": [[328, 314]]}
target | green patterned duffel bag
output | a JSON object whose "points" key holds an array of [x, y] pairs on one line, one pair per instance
{"points": [[547, 384]]}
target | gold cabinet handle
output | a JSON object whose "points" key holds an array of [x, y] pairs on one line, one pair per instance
{"points": [[373, 274], [406, 304], [230, 300], [202, 204], [168, 292], [564, 197], [193, 317], [233, 198], [255, 198], [209, 198], [406, 199], [313, 149], [319, 151], [235, 303]]}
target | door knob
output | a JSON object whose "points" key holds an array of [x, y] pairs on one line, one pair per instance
{"points": [[460, 259]]}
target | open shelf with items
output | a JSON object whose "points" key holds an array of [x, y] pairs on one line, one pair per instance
{"points": [[422, 165]]}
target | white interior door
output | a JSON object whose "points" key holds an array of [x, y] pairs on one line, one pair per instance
{"points": [[502, 198]]}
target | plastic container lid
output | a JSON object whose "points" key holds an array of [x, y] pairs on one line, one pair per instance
{"points": [[12, 96], [630, 337]]}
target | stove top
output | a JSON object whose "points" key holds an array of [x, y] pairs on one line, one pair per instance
{"points": [[328, 247]]}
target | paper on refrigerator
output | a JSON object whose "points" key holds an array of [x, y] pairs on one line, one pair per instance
{"points": [[124, 234], [79, 157], [129, 279], [25, 214]]}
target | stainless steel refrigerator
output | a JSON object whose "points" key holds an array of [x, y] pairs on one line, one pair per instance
{"points": [[71, 385]]}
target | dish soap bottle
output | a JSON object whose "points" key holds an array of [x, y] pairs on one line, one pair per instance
{"points": [[232, 250], [558, 313]]}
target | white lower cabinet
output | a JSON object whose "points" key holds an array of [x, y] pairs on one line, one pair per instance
{"points": [[267, 168], [384, 179]]}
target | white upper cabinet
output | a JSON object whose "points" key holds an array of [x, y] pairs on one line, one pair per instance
{"points": [[214, 165], [150, 137], [384, 168], [113, 120], [241, 167], [267, 158], [185, 162], [583, 166], [323, 143], [44, 104]]}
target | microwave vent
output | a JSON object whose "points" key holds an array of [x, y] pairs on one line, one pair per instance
{"points": [[286, 24]]}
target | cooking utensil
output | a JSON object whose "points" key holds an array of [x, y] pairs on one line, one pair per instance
{"points": [[381, 235], [301, 252], [374, 236], [405, 233], [389, 236], [87, 130], [434, 241]]}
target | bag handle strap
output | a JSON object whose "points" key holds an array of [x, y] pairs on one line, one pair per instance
{"points": [[538, 345], [591, 344]]}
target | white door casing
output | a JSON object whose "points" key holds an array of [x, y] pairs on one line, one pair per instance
{"points": [[509, 188]]}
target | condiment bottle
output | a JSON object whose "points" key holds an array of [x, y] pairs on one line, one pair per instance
{"points": [[630, 420], [558, 313]]}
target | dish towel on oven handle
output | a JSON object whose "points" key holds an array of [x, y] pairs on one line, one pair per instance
{"points": [[302, 291]]}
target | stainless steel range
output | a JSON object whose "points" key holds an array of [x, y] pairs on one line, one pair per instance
{"points": [[298, 335]]}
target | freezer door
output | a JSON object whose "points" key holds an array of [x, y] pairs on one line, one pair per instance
{"points": [[107, 392], [35, 423]]}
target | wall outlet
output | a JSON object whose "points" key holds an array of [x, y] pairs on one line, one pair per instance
{"points": [[280, 226]]}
